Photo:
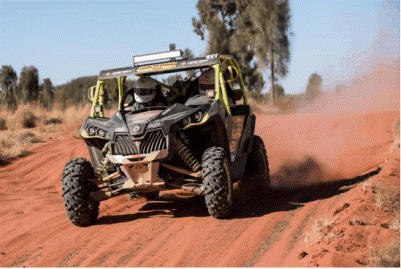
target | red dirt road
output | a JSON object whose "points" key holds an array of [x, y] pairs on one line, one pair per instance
{"points": [[281, 229]]}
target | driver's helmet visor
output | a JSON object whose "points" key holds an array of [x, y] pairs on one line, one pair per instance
{"points": [[144, 91]]}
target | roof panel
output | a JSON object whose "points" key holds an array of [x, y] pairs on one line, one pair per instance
{"points": [[161, 67]]}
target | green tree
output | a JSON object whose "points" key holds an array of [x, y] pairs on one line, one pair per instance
{"points": [[170, 80], [272, 20], [228, 25], [8, 84], [188, 54], [46, 93], [314, 87], [8, 77], [255, 32], [75, 92], [278, 91], [29, 84]]}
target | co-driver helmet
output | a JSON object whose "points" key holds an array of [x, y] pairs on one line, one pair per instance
{"points": [[206, 81]]}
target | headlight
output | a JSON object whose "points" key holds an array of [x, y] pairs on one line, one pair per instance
{"points": [[198, 116], [101, 132], [187, 121], [92, 130]]}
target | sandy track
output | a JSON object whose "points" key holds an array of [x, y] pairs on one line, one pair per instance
{"points": [[177, 231]]}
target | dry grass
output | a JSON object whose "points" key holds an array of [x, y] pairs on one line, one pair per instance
{"points": [[319, 231], [396, 144], [389, 201], [31, 124], [387, 256]]}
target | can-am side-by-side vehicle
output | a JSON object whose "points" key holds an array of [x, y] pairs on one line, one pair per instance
{"points": [[198, 141]]}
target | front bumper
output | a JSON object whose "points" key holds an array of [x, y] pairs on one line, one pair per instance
{"points": [[142, 171]]}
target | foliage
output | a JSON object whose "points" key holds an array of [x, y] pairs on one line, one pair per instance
{"points": [[29, 120], [3, 125], [255, 32], [314, 87], [53, 121], [46, 94], [75, 92], [28, 90], [8, 84], [170, 80], [278, 91], [188, 54]]}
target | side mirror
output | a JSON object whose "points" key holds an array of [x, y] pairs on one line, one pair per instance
{"points": [[91, 93]]}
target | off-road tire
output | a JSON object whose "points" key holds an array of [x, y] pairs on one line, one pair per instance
{"points": [[217, 183], [81, 209], [257, 167], [150, 196]]}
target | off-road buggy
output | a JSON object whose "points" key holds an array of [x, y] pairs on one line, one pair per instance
{"points": [[197, 144]]}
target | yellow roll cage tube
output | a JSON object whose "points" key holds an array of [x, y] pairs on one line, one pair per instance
{"points": [[220, 87]]}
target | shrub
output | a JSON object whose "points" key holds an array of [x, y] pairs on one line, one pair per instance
{"points": [[35, 140], [3, 124], [53, 121], [29, 120], [28, 134]]}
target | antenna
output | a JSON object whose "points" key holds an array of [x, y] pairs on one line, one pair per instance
{"points": [[172, 47]]}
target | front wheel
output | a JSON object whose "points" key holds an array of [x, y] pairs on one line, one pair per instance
{"points": [[81, 209], [217, 183]]}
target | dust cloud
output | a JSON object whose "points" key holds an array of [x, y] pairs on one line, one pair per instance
{"points": [[339, 136]]}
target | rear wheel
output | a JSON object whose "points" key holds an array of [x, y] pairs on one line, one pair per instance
{"points": [[257, 168], [217, 183], [81, 209]]}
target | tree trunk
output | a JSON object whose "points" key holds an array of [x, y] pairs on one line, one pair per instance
{"points": [[272, 75]]}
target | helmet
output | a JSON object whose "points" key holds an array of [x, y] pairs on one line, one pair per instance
{"points": [[145, 90], [206, 81]]}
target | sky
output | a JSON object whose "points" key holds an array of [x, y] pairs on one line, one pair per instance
{"points": [[338, 39]]}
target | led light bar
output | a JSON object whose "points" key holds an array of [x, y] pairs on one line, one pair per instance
{"points": [[157, 56]]}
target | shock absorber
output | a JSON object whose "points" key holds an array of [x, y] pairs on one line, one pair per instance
{"points": [[105, 162], [187, 155], [103, 166]]}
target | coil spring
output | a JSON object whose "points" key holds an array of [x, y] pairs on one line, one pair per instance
{"points": [[187, 155], [103, 166]]}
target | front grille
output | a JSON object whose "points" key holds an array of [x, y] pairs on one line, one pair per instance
{"points": [[123, 145], [153, 141]]}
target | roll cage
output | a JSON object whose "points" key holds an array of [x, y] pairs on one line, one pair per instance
{"points": [[225, 66]]}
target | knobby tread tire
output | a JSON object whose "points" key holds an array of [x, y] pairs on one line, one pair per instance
{"points": [[257, 171], [217, 185], [150, 196], [81, 209]]}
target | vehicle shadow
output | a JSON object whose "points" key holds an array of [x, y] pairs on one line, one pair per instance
{"points": [[165, 206], [286, 199], [246, 204]]}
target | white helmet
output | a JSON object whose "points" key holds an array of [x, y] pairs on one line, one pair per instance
{"points": [[206, 81], [145, 90]]}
